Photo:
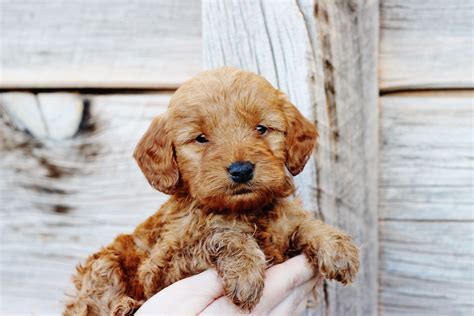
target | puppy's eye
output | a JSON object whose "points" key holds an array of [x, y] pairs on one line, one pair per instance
{"points": [[261, 129], [202, 139]]}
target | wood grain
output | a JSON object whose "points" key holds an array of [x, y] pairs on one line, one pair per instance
{"points": [[157, 44], [312, 51], [61, 201], [99, 43], [426, 44], [348, 153], [426, 204], [427, 268]]}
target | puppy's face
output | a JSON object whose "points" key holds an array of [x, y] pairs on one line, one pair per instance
{"points": [[228, 140]]}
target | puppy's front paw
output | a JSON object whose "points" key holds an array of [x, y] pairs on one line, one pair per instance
{"points": [[245, 289], [336, 258], [149, 275]]}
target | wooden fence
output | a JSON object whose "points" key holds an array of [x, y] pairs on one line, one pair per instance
{"points": [[389, 83]]}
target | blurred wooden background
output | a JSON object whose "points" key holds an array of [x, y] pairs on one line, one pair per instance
{"points": [[67, 189]]}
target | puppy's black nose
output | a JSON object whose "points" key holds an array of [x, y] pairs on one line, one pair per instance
{"points": [[241, 171]]}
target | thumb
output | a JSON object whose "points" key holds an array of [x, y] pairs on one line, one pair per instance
{"points": [[185, 297]]}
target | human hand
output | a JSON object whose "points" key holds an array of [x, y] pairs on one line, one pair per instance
{"points": [[287, 288]]}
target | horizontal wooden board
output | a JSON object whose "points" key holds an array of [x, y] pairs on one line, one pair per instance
{"points": [[427, 156], [426, 204], [99, 43], [426, 44], [426, 268], [60, 201]]}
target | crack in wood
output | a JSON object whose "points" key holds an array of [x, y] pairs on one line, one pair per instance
{"points": [[270, 43], [87, 123], [322, 19], [40, 110], [44, 189], [326, 296]]}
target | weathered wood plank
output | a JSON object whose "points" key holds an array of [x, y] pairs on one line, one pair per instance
{"points": [[426, 204], [347, 168], [312, 51], [426, 44], [99, 43], [426, 268], [427, 157], [60, 201]]}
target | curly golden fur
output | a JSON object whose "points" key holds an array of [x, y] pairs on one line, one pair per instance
{"points": [[211, 221]]}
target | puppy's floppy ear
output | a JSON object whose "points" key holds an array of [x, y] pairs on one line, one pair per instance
{"points": [[301, 136], [155, 157]]}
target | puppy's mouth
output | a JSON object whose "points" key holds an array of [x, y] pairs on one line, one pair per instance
{"points": [[242, 191]]}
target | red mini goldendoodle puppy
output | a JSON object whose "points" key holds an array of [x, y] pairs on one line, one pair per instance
{"points": [[225, 150]]}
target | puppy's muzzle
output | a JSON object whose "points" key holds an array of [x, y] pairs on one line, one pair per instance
{"points": [[241, 171]]}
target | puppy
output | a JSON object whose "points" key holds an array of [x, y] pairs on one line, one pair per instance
{"points": [[225, 151]]}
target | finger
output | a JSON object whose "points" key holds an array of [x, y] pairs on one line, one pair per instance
{"points": [[187, 296], [221, 306], [315, 294], [289, 305], [281, 280], [302, 305], [224, 306]]}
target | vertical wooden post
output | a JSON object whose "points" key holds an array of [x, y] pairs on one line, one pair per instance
{"points": [[323, 54]]}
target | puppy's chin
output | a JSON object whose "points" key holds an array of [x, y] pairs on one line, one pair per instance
{"points": [[246, 199], [242, 201]]}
